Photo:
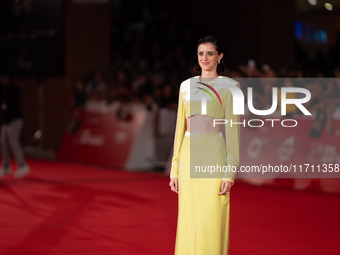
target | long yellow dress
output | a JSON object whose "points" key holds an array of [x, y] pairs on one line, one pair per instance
{"points": [[203, 215]]}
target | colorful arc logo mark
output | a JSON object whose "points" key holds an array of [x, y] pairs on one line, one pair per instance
{"points": [[218, 96]]}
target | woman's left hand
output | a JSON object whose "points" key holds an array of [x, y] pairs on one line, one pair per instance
{"points": [[225, 187]]}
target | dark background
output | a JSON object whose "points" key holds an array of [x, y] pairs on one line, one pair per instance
{"points": [[31, 37], [47, 45]]}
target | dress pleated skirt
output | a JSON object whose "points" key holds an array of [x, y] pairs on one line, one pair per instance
{"points": [[203, 215]]}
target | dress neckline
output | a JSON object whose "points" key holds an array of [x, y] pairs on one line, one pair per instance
{"points": [[214, 79]]}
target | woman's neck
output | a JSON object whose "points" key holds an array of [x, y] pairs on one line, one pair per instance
{"points": [[208, 75]]}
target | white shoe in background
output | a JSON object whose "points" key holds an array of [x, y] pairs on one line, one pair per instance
{"points": [[22, 171], [5, 171]]}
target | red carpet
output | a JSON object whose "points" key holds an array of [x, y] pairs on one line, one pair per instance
{"points": [[63, 209]]}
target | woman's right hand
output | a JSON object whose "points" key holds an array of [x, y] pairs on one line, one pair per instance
{"points": [[174, 184]]}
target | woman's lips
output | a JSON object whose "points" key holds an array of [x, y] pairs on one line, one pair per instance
{"points": [[205, 63]]}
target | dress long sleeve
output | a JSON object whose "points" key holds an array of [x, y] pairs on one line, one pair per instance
{"points": [[179, 135], [232, 138]]}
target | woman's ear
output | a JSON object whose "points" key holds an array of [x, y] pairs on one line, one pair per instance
{"points": [[220, 56]]}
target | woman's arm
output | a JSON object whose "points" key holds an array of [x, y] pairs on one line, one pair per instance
{"points": [[232, 136], [179, 135]]}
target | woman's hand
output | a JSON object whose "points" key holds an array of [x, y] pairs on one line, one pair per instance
{"points": [[225, 187], [174, 184]]}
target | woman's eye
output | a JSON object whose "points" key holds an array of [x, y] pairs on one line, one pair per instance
{"points": [[209, 53]]}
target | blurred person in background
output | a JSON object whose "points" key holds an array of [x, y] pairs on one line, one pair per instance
{"points": [[96, 88], [11, 125], [121, 87], [333, 100], [320, 90], [78, 102], [325, 101]]}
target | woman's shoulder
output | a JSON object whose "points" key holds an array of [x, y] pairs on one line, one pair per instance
{"points": [[226, 79], [186, 83]]}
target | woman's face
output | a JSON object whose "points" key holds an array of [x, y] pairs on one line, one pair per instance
{"points": [[208, 57]]}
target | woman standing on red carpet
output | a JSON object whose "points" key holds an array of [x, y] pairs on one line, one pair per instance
{"points": [[203, 195]]}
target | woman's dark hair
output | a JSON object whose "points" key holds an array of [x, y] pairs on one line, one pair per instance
{"points": [[213, 40]]}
